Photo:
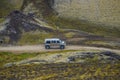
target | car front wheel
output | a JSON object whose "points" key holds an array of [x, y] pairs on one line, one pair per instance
{"points": [[47, 47], [62, 47]]}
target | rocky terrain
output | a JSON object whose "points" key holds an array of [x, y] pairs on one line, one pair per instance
{"points": [[70, 57], [57, 65]]}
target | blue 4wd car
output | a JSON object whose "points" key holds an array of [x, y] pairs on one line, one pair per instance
{"points": [[54, 43]]}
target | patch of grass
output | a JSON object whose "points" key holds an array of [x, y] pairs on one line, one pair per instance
{"points": [[107, 44], [90, 70], [96, 42], [61, 51], [5, 8], [63, 71], [6, 57], [90, 27], [34, 38], [45, 77], [69, 35], [1, 20]]}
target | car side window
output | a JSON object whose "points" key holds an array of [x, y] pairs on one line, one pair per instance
{"points": [[58, 41], [48, 42]]}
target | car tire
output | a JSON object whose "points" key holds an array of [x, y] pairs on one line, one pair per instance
{"points": [[47, 47], [62, 47]]}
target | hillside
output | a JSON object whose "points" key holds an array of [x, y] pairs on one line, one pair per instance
{"points": [[97, 17], [88, 17], [98, 11]]}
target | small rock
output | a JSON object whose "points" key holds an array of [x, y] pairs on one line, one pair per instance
{"points": [[71, 58], [111, 54], [107, 53], [82, 56]]}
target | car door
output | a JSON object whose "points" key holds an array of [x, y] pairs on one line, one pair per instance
{"points": [[52, 44], [55, 44]]}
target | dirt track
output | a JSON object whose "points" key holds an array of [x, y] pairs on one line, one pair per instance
{"points": [[40, 48]]}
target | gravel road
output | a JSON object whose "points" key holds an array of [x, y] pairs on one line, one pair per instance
{"points": [[40, 48]]}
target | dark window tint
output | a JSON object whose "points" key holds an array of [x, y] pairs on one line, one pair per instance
{"points": [[53, 41], [47, 41], [58, 41]]}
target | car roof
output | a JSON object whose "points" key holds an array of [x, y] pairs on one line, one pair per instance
{"points": [[52, 39]]}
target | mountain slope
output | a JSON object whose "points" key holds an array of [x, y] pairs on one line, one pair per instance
{"points": [[99, 11], [81, 15], [18, 23], [85, 17]]}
